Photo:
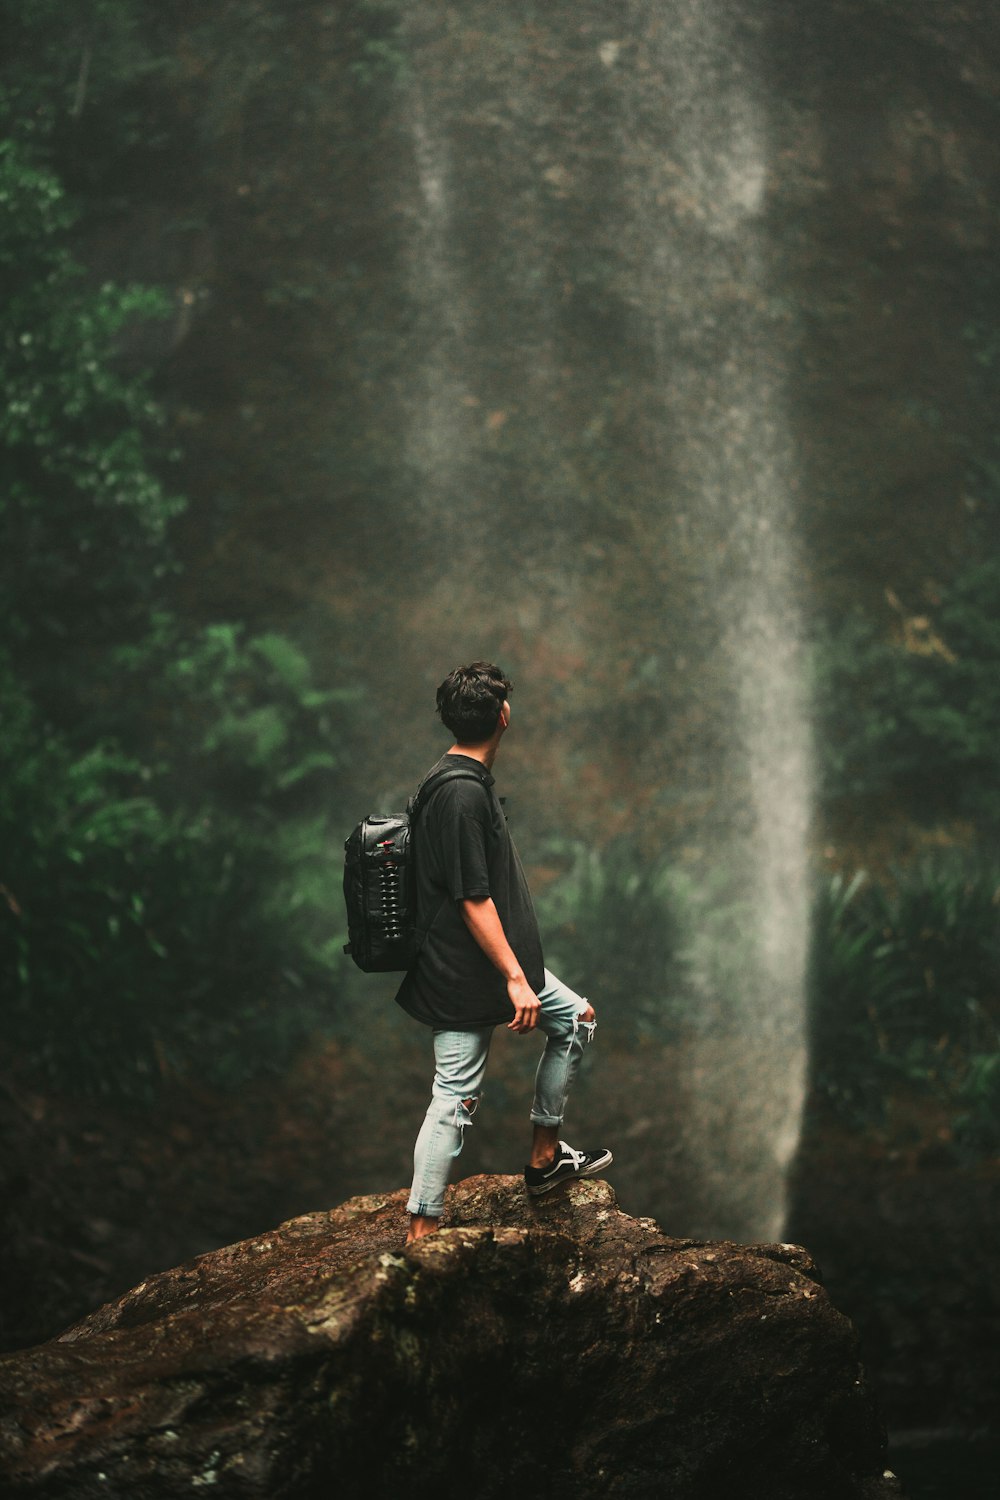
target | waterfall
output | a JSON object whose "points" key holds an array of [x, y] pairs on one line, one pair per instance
{"points": [[516, 210], [439, 428], [696, 144]]}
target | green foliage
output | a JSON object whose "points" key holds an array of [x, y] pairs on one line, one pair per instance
{"points": [[240, 714], [977, 1123], [169, 908], [166, 878], [379, 60], [905, 994], [919, 719], [62, 62], [83, 513], [170, 895], [616, 926], [136, 943], [381, 54]]}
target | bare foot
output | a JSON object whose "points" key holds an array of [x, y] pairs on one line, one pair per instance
{"points": [[420, 1224]]}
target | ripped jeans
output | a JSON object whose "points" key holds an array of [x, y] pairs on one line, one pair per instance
{"points": [[460, 1063]]}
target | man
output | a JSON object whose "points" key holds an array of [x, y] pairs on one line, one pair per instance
{"points": [[480, 960]]}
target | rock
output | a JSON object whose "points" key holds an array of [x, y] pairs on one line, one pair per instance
{"points": [[561, 1348]]}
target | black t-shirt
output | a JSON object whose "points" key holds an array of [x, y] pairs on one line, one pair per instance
{"points": [[463, 849]]}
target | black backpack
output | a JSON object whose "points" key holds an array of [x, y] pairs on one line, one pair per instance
{"points": [[379, 887]]}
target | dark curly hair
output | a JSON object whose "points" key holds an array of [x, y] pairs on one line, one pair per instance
{"points": [[470, 699]]}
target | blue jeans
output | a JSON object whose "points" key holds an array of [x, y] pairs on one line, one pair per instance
{"points": [[459, 1066]]}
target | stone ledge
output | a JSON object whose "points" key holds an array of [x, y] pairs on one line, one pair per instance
{"points": [[565, 1344]]}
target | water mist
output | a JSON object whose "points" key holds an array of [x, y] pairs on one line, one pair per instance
{"points": [[696, 146], [514, 207]]}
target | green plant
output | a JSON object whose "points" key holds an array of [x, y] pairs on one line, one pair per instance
{"points": [[614, 929], [918, 718], [977, 1123], [166, 792], [905, 992], [84, 513], [139, 943]]}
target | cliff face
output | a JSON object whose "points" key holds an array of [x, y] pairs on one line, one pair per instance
{"points": [[565, 1346]]}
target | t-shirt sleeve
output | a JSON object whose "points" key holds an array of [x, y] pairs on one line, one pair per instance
{"points": [[464, 824]]}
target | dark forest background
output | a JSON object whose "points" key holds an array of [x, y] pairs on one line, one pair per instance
{"points": [[229, 591]]}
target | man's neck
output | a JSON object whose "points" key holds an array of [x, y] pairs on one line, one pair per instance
{"points": [[485, 754]]}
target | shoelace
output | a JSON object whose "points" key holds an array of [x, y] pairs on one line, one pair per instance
{"points": [[576, 1158]]}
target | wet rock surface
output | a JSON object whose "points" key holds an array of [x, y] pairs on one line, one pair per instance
{"points": [[564, 1344]]}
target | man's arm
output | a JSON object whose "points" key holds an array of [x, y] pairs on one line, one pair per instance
{"points": [[483, 920]]}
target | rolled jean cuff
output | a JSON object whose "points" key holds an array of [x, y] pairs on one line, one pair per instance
{"points": [[549, 1120]]}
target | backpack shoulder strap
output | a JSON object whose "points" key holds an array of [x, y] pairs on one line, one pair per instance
{"points": [[429, 784], [435, 779]]}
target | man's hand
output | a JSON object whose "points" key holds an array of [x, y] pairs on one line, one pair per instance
{"points": [[526, 1005], [482, 919]]}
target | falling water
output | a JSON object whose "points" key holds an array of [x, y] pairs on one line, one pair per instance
{"points": [[439, 426], [697, 154], [689, 251]]}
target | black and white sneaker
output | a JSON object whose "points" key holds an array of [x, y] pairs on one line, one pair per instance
{"points": [[566, 1164]]}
